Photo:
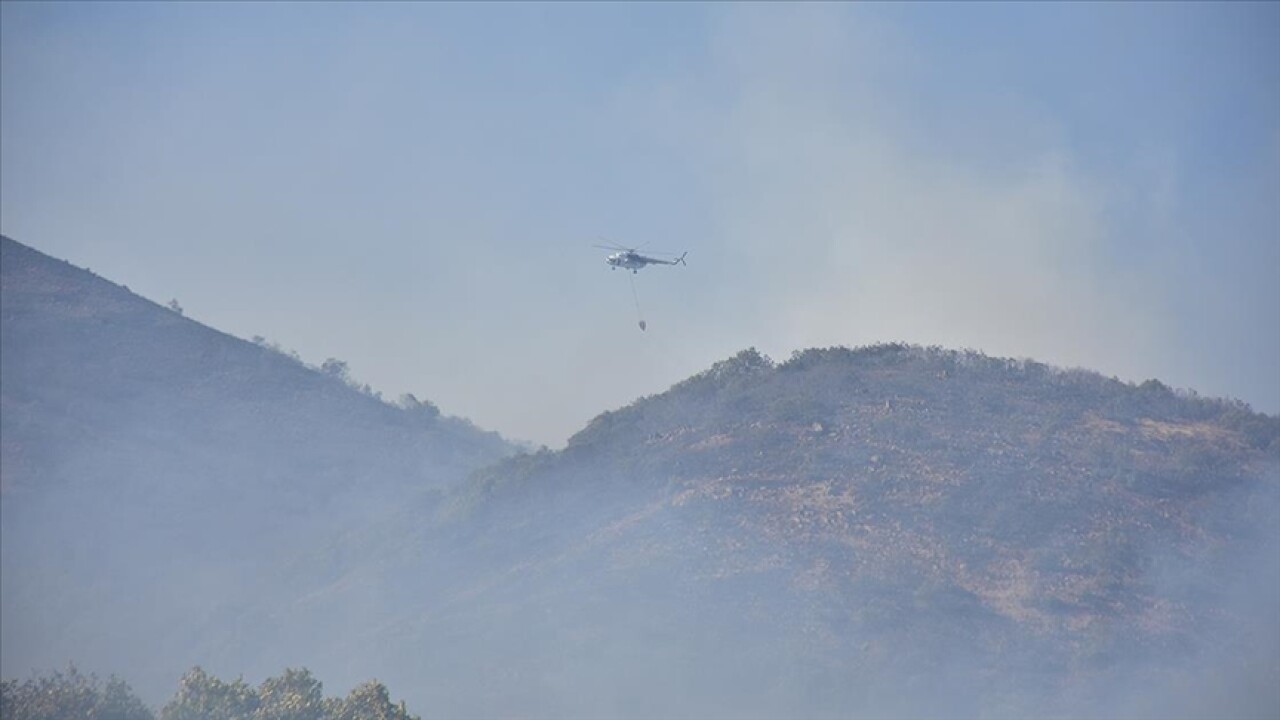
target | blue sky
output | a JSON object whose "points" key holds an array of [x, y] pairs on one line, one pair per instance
{"points": [[415, 188]]}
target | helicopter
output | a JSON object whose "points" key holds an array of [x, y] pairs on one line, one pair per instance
{"points": [[631, 259]]}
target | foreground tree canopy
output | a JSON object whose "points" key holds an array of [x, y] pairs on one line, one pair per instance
{"points": [[293, 695]]}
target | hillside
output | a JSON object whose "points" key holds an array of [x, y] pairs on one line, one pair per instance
{"points": [[890, 530], [152, 469]]}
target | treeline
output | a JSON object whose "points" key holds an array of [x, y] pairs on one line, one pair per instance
{"points": [[293, 695]]}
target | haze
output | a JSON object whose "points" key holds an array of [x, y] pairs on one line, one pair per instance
{"points": [[415, 188]]}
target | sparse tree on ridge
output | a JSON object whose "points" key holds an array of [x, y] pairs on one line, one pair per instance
{"points": [[423, 409], [333, 367]]}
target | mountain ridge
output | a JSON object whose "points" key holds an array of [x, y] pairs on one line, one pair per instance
{"points": [[1049, 526], [893, 529], [142, 449]]}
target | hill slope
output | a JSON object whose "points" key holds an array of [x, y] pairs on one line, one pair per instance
{"points": [[891, 530], [153, 469]]}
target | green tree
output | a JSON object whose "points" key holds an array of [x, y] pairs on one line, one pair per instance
{"points": [[202, 696], [70, 696], [370, 701], [295, 695]]}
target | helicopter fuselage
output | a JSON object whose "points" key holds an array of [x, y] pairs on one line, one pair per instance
{"points": [[633, 261]]}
